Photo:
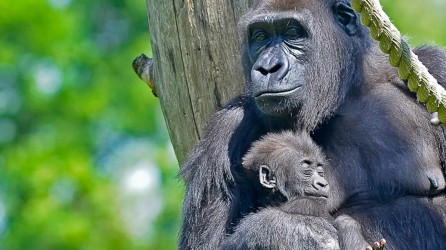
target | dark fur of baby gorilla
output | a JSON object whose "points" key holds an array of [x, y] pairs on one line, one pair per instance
{"points": [[286, 170]]}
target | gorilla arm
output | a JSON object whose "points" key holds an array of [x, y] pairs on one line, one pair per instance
{"points": [[349, 233], [210, 184], [275, 228]]}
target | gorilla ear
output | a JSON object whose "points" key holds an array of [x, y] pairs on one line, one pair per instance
{"points": [[346, 17], [266, 177]]}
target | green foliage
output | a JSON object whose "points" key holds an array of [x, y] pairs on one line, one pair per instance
{"points": [[69, 101], [422, 21], [76, 123]]}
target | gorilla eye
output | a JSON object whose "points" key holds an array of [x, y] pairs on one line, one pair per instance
{"points": [[320, 171], [308, 172], [259, 36], [293, 32]]}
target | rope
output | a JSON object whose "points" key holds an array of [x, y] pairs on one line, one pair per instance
{"points": [[409, 67]]}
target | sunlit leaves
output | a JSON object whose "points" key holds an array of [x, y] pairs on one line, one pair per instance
{"points": [[67, 94]]}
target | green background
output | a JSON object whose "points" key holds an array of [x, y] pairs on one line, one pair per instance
{"points": [[85, 159]]}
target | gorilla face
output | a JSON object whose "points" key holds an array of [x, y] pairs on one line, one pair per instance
{"points": [[299, 63], [278, 49]]}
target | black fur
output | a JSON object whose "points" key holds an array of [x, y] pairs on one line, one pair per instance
{"points": [[270, 226], [384, 154], [293, 212]]}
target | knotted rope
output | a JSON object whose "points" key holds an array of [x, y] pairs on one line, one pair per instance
{"points": [[409, 67]]}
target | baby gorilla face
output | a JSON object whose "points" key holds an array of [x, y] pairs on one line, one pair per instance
{"points": [[290, 163], [295, 174], [309, 177]]}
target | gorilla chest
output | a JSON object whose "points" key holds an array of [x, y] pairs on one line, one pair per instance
{"points": [[377, 157]]}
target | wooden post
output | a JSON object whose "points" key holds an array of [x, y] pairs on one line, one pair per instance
{"points": [[197, 64]]}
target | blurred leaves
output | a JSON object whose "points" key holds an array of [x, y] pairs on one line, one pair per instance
{"points": [[422, 21], [68, 100]]}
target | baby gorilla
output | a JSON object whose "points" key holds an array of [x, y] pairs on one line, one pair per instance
{"points": [[286, 171]]}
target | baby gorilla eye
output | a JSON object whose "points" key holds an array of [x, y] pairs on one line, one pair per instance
{"points": [[320, 171], [308, 172], [305, 165], [307, 169]]}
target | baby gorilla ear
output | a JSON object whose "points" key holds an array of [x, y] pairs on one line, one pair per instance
{"points": [[266, 177]]}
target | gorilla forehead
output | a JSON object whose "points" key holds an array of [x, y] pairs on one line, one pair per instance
{"points": [[286, 5], [304, 11], [304, 17]]}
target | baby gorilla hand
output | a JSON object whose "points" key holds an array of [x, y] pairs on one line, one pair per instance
{"points": [[378, 245]]}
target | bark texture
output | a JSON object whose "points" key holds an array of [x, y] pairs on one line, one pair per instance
{"points": [[197, 62]]}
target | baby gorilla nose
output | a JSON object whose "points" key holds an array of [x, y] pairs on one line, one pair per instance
{"points": [[320, 184]]}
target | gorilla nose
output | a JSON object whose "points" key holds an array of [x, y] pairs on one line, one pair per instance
{"points": [[275, 65], [321, 184], [270, 70]]}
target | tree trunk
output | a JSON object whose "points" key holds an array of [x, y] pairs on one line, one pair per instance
{"points": [[197, 63]]}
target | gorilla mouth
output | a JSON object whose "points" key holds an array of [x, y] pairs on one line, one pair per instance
{"points": [[321, 196], [275, 103], [272, 93], [316, 195]]}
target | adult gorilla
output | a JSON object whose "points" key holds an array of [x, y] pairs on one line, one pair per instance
{"points": [[313, 67]]}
